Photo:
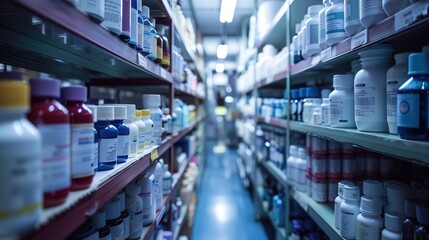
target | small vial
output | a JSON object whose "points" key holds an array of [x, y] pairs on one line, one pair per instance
{"points": [[393, 224], [349, 211], [114, 220], [325, 111], [124, 215], [99, 221]]}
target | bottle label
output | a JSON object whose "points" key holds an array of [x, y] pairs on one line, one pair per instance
{"points": [[117, 231], [134, 27], [108, 150], [365, 97], [146, 38], [348, 224], [335, 23], [123, 145], [322, 28], [157, 188], [126, 227], [166, 188], [82, 150], [55, 156], [392, 87], [408, 110], [313, 32], [149, 136], [142, 139], [133, 144], [140, 34], [157, 128], [351, 10], [368, 232], [159, 53], [112, 14], [371, 7], [136, 223], [153, 47], [147, 200]]}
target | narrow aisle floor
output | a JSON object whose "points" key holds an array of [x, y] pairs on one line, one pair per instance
{"points": [[225, 209]]}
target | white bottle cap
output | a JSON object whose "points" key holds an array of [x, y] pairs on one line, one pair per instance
{"points": [[99, 219], [293, 150], [113, 209], [165, 167], [93, 109], [371, 205], [396, 193], [131, 111], [372, 188], [133, 190], [410, 208], [341, 185], [121, 197], [393, 221], [351, 193], [387, 183], [120, 112], [302, 153], [146, 183], [151, 100], [314, 9], [422, 213], [425, 49], [105, 113], [344, 80]]}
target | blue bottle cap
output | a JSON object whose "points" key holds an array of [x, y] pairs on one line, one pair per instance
{"points": [[418, 63], [302, 93], [294, 94], [312, 92]]}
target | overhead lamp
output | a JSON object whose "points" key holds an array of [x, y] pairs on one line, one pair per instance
{"points": [[227, 9], [220, 67], [222, 51]]}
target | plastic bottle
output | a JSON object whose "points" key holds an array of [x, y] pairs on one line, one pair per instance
{"points": [[153, 41], [124, 137], [322, 25], [422, 231], [99, 221], [82, 127], [352, 23], [134, 24], [294, 95], [177, 125], [124, 215], [96, 158], [108, 136], [349, 211], [412, 100], [166, 180], [396, 76], [153, 103], [166, 59], [126, 20], [396, 195], [392, 222], [142, 131], [146, 31], [157, 184], [114, 220], [134, 205], [312, 27], [149, 128], [369, 221], [371, 12], [18, 192], [93, 8], [312, 96], [303, 37], [338, 201], [300, 170], [146, 184], [410, 223], [393, 6], [301, 102], [295, 46], [159, 43], [52, 120], [140, 27], [291, 165], [370, 89], [168, 121], [335, 31], [372, 188], [113, 16], [325, 111], [341, 102], [134, 130]]}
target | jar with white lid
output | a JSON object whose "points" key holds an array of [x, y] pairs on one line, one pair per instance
{"points": [[349, 211], [371, 12], [322, 25], [396, 76], [341, 102], [335, 31], [369, 221], [338, 200], [312, 28], [393, 6], [370, 89], [393, 224], [352, 23], [312, 100]]}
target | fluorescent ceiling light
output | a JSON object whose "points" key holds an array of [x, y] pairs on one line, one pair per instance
{"points": [[222, 51], [227, 9], [220, 67]]}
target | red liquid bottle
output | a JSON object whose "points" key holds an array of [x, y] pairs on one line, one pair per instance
{"points": [[52, 120], [82, 136]]}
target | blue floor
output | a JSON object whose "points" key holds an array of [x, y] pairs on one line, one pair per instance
{"points": [[225, 208]]}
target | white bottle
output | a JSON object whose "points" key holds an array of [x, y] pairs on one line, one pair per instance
{"points": [[113, 211], [352, 23], [372, 188], [369, 221], [93, 8], [134, 130], [370, 89], [177, 124], [166, 181], [341, 102], [371, 12], [312, 28], [303, 37], [349, 211], [301, 170], [300, 38], [338, 200], [393, 6], [148, 143], [335, 31], [169, 121], [396, 76], [295, 48], [322, 25], [157, 184], [113, 16], [142, 131], [291, 165], [99, 221], [135, 210], [153, 102], [325, 111], [393, 224], [20, 152], [146, 184]]}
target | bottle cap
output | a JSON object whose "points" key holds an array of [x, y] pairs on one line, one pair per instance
{"points": [[120, 112], [293, 150], [396, 193], [165, 111], [165, 167], [14, 94], [387, 183], [99, 219], [133, 190], [371, 205], [341, 185], [351, 193], [74, 93], [393, 220], [145, 113], [302, 93], [418, 63], [45, 87], [121, 197], [294, 93], [131, 109], [93, 109], [312, 92], [145, 12], [105, 113], [344, 80], [151, 100], [372, 188], [410, 208], [153, 21], [113, 209], [425, 49], [402, 57], [325, 93], [422, 213], [314, 9], [138, 113], [302, 153]]}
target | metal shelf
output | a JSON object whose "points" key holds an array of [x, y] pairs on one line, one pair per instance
{"points": [[181, 221], [183, 89]]}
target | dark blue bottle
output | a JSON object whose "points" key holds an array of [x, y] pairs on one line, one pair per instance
{"points": [[108, 138], [123, 147], [412, 112]]}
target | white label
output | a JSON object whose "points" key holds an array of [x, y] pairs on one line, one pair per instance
{"points": [[410, 14], [359, 39], [123, 145], [166, 188], [371, 7], [126, 227], [408, 110], [348, 224], [108, 150], [341, 112], [117, 231], [367, 232], [133, 143], [136, 223], [157, 187], [365, 97], [141, 139], [142, 61], [55, 156], [325, 55], [134, 28], [82, 150], [148, 136], [157, 127], [393, 84], [147, 199], [113, 15], [335, 23]]}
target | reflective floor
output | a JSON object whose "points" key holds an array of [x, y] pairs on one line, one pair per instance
{"points": [[225, 208]]}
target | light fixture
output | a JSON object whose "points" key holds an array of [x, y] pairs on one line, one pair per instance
{"points": [[227, 9], [222, 51], [220, 67]]}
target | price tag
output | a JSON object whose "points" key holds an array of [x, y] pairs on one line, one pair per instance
{"points": [[300, 200], [359, 39], [163, 73], [142, 61], [325, 55], [409, 15], [154, 154]]}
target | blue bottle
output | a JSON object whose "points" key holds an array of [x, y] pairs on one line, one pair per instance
{"points": [[412, 112], [108, 138], [147, 26], [123, 147], [153, 41]]}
